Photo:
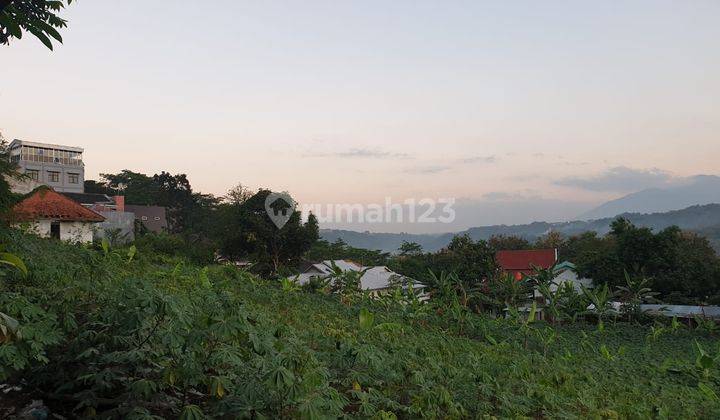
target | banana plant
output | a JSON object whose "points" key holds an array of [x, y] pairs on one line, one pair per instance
{"points": [[9, 326], [600, 300], [11, 260], [289, 285], [634, 293]]}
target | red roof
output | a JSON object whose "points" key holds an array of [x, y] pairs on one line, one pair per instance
{"points": [[524, 261], [44, 203]]}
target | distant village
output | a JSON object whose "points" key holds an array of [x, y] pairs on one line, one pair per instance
{"points": [[56, 206]]}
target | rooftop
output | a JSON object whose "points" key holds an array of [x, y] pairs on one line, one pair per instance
{"points": [[525, 260], [17, 143], [44, 203]]}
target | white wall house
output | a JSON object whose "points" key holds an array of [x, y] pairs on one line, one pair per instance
{"points": [[566, 273], [52, 215]]}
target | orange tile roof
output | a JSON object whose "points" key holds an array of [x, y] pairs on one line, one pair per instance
{"points": [[44, 203]]}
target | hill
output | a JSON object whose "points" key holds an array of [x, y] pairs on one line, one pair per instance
{"points": [[697, 190], [704, 219]]}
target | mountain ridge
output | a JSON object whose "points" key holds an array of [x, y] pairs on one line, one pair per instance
{"points": [[703, 219], [695, 190]]}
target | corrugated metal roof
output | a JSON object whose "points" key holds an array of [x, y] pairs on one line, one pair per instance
{"points": [[375, 278], [683, 311]]}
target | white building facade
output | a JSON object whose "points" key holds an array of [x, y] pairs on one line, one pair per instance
{"points": [[54, 165]]}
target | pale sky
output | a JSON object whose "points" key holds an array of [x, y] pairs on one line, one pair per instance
{"points": [[353, 101]]}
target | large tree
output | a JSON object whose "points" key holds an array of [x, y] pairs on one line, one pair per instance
{"points": [[249, 233], [41, 18], [137, 187]]}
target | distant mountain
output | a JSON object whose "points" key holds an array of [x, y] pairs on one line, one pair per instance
{"points": [[703, 219], [701, 189]]}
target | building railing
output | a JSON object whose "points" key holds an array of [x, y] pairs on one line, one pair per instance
{"points": [[50, 159]]}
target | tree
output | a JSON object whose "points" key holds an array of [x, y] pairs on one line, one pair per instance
{"points": [[137, 188], [176, 195], [340, 250], [238, 194], [96, 187], [508, 243], [39, 17], [472, 261], [249, 233], [410, 248], [552, 240]]}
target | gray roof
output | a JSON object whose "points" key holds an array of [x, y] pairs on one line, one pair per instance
{"points": [[375, 278], [152, 217], [17, 142], [89, 198]]}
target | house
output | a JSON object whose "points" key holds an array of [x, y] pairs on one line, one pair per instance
{"points": [[523, 263], [375, 279], [153, 218], [119, 225], [566, 273], [60, 167], [51, 214]]}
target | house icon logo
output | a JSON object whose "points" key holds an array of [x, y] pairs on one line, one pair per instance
{"points": [[279, 207]]}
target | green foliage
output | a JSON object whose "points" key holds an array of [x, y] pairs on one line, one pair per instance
{"points": [[110, 336], [633, 294], [39, 17], [599, 297], [339, 250], [249, 233], [8, 170], [682, 267]]}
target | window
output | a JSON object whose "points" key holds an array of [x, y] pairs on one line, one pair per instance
{"points": [[74, 178], [53, 176], [34, 174]]}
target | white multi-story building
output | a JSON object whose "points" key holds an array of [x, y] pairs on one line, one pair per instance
{"points": [[60, 167]]}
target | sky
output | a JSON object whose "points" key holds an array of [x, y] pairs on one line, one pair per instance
{"points": [[518, 110]]}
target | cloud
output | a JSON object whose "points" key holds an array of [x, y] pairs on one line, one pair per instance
{"points": [[479, 159], [620, 179], [495, 196], [425, 170], [361, 153]]}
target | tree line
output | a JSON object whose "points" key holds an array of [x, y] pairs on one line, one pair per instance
{"points": [[682, 267]]}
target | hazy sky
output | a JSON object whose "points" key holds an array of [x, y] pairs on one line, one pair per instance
{"points": [[511, 102]]}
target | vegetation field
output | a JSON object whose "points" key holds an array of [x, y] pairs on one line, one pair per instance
{"points": [[134, 333]]}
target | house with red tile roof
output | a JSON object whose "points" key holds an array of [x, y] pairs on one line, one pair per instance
{"points": [[522, 263], [51, 214]]}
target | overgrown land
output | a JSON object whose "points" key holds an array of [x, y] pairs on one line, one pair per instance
{"points": [[138, 333]]}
